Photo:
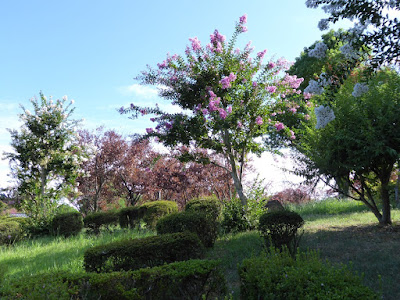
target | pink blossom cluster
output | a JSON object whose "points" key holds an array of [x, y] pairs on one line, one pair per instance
{"points": [[279, 126], [242, 21], [259, 120], [271, 89], [292, 81], [261, 54], [292, 136], [226, 82], [217, 37], [196, 46]]}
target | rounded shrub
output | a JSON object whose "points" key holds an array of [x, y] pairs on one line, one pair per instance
{"points": [[196, 222], [99, 219], [10, 232], [142, 253], [210, 206], [129, 216], [67, 224], [280, 227], [151, 212], [277, 275], [234, 217]]}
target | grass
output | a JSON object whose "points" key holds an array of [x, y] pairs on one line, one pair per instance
{"points": [[346, 234]]}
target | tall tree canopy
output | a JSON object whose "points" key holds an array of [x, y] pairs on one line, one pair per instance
{"points": [[361, 145], [375, 27], [230, 103], [46, 157]]}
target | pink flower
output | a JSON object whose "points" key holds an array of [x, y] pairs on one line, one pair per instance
{"points": [[222, 113], [149, 130], [271, 89], [243, 19], [195, 44], [279, 126], [153, 119], [239, 124], [212, 94], [205, 111], [307, 117], [273, 114], [243, 28], [232, 77], [229, 109], [259, 120], [168, 125], [254, 84], [293, 110], [261, 54], [225, 82], [271, 65], [307, 96]]}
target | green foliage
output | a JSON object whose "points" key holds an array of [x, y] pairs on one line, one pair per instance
{"points": [[3, 206], [199, 223], [194, 279], [280, 227], [129, 216], [95, 221], [210, 206], [236, 218], [67, 224], [363, 140], [10, 232], [46, 157], [150, 212], [141, 253], [279, 276], [65, 208]]}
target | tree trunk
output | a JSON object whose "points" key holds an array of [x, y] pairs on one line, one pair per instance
{"points": [[237, 182], [386, 218]]}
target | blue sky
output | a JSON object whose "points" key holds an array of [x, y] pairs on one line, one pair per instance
{"points": [[91, 51]]}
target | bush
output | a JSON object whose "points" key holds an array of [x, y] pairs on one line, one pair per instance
{"points": [[67, 224], [210, 206], [205, 227], [280, 227], [141, 253], [129, 216], [236, 218], [150, 212], [10, 232], [279, 276], [181, 280], [95, 221]]}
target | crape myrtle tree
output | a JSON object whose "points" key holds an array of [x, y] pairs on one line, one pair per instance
{"points": [[361, 145], [231, 103], [46, 156], [375, 27]]}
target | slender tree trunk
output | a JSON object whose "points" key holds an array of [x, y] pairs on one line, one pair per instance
{"points": [[237, 182], [386, 217]]}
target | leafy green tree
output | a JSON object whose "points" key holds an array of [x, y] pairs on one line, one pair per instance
{"points": [[375, 27], [229, 102], [361, 145], [46, 157]]}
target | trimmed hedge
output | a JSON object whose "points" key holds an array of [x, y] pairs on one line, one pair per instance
{"points": [[279, 276], [129, 216], [205, 228], [10, 232], [98, 219], [191, 279], [141, 253], [210, 206], [280, 227], [151, 212], [67, 224]]}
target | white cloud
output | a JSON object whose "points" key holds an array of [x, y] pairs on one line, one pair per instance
{"points": [[138, 90]]}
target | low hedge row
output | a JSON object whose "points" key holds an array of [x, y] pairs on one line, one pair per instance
{"points": [[193, 279], [99, 219], [197, 222], [141, 253], [149, 213], [277, 275], [10, 231], [67, 224]]}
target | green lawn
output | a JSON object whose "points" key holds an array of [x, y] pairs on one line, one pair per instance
{"points": [[352, 235]]}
